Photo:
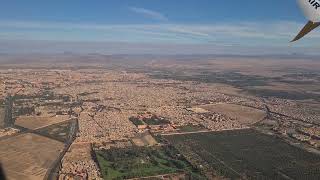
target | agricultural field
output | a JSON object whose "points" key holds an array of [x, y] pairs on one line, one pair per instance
{"points": [[138, 162], [245, 115], [60, 131], [28, 156], [37, 122], [247, 154]]}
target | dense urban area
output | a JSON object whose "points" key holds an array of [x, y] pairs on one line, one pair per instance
{"points": [[145, 117]]}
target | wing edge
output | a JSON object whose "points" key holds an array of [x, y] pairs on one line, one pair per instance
{"points": [[306, 29]]}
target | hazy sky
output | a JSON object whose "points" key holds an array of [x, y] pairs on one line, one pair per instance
{"points": [[246, 26]]}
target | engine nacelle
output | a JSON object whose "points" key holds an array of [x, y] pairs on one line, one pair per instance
{"points": [[311, 9]]}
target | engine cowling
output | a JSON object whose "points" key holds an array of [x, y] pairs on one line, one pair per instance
{"points": [[311, 9]]}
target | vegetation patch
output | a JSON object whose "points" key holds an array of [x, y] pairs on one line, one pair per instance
{"points": [[138, 162], [136, 121], [246, 154], [155, 120]]}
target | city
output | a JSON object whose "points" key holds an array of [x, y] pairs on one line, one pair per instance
{"points": [[64, 119]]}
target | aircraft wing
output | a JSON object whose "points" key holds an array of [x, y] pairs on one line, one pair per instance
{"points": [[306, 29]]}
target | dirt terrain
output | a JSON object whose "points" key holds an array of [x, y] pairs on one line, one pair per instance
{"points": [[28, 156], [245, 115], [36, 122]]}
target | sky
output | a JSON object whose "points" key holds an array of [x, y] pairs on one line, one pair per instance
{"points": [[154, 26]]}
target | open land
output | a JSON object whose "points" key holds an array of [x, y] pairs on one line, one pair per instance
{"points": [[95, 107], [37, 122], [28, 156], [243, 114]]}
